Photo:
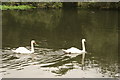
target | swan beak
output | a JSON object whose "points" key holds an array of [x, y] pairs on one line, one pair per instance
{"points": [[36, 44]]}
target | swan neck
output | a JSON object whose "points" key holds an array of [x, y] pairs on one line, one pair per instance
{"points": [[32, 47], [83, 45]]}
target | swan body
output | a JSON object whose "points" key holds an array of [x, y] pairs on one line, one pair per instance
{"points": [[22, 50], [73, 50], [25, 50]]}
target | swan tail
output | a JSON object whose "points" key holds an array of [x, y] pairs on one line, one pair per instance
{"points": [[63, 50], [14, 51]]}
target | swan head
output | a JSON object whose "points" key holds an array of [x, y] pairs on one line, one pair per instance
{"points": [[33, 41], [83, 40]]}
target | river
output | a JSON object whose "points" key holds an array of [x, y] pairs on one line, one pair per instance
{"points": [[57, 29]]}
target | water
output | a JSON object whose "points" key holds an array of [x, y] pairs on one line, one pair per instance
{"points": [[54, 30]]}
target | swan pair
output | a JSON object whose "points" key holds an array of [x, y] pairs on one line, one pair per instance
{"points": [[72, 50], [24, 50]]}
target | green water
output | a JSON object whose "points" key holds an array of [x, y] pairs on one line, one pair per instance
{"points": [[61, 29]]}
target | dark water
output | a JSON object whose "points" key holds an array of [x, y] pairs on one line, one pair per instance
{"points": [[54, 30]]}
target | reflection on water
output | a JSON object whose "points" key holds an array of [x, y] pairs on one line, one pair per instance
{"points": [[54, 30]]}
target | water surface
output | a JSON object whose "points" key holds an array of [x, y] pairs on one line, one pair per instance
{"points": [[54, 30]]}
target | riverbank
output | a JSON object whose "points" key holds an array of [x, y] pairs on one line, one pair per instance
{"points": [[57, 5], [27, 5], [20, 7]]}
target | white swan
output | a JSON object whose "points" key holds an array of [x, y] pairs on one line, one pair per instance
{"points": [[73, 52], [24, 50]]}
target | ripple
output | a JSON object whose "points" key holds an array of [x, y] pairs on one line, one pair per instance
{"points": [[54, 61]]}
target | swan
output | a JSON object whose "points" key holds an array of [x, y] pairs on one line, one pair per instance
{"points": [[73, 52], [25, 50]]}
